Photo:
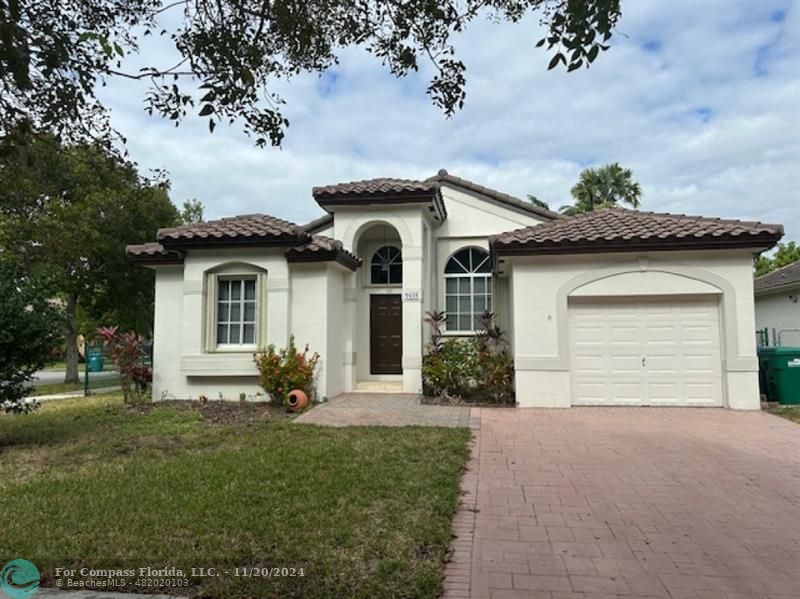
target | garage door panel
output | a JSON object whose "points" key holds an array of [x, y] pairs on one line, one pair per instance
{"points": [[645, 353], [622, 364]]}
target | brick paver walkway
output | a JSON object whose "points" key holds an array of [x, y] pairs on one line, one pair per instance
{"points": [[384, 409], [624, 502]]}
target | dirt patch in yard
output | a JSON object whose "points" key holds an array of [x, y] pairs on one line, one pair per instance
{"points": [[222, 412]]}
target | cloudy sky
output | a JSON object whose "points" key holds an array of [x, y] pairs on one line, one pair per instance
{"points": [[701, 98]]}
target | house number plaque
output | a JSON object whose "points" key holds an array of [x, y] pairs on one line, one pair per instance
{"points": [[412, 295]]}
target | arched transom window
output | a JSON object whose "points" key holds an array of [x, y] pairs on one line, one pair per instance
{"points": [[467, 288], [386, 266]]}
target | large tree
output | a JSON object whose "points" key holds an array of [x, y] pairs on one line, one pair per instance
{"points": [[66, 213], [602, 187], [229, 54]]}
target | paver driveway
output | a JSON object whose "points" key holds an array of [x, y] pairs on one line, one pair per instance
{"points": [[595, 502]]}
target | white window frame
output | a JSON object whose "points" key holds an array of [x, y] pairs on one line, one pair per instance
{"points": [[471, 277], [212, 302]]}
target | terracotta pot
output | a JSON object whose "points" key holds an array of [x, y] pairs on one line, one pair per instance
{"points": [[297, 401]]}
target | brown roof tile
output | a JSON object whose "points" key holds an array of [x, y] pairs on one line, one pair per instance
{"points": [[374, 187], [247, 228], [444, 177], [152, 253], [619, 229], [785, 276], [322, 248], [317, 224]]}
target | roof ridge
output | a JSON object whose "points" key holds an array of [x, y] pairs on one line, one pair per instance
{"points": [[443, 176]]}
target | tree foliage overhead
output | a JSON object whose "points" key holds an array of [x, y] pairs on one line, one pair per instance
{"points": [[230, 53], [602, 187], [786, 254]]}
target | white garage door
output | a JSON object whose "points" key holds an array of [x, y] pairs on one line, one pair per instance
{"points": [[645, 353]]}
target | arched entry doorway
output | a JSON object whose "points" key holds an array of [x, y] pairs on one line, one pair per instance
{"points": [[379, 310]]}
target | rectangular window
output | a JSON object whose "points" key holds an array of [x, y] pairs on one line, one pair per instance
{"points": [[237, 311], [466, 298]]}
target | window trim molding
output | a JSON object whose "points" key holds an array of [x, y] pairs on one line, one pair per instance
{"points": [[211, 287]]}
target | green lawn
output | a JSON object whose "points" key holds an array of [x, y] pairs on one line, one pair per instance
{"points": [[365, 512], [53, 388], [789, 412]]}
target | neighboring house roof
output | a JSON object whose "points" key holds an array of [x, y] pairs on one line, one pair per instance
{"points": [[322, 248], [250, 230], [323, 222], [785, 276], [622, 230], [503, 198]]}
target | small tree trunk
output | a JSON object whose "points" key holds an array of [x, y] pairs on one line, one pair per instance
{"points": [[71, 339]]}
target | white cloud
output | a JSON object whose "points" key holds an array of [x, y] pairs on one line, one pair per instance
{"points": [[701, 99]]}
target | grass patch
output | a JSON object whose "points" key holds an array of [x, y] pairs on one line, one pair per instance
{"points": [[53, 388], [364, 511], [789, 412]]}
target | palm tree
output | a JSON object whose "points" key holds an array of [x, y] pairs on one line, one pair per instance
{"points": [[537, 202], [603, 187]]}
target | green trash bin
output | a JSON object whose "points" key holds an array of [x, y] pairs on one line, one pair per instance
{"points": [[783, 374], [94, 361], [763, 368]]}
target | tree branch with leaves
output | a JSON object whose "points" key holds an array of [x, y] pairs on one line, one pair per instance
{"points": [[229, 54]]}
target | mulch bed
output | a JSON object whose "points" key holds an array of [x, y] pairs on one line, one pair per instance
{"points": [[460, 401], [222, 411]]}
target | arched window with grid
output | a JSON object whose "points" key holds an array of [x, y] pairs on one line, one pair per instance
{"points": [[467, 289], [386, 266]]}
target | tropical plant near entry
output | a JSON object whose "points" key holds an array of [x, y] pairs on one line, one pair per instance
{"points": [[604, 187], [286, 369], [479, 368]]}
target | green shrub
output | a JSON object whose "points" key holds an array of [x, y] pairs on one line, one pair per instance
{"points": [[477, 368], [286, 369]]}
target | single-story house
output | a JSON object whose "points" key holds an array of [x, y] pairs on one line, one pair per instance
{"points": [[615, 307], [777, 306]]}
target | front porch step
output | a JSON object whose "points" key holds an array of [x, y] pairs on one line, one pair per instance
{"points": [[379, 387]]}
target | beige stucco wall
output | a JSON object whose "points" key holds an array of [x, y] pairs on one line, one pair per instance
{"points": [[322, 304], [540, 289], [780, 311], [304, 300]]}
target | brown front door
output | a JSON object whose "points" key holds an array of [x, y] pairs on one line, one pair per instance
{"points": [[385, 334]]}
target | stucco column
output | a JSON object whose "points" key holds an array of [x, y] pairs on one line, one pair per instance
{"points": [[349, 322], [412, 319]]}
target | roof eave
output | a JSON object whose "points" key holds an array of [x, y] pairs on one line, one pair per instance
{"points": [[238, 241], [337, 256], [620, 246]]}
